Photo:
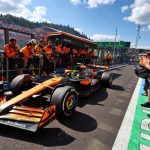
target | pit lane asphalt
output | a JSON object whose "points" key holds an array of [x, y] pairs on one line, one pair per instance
{"points": [[93, 127]]}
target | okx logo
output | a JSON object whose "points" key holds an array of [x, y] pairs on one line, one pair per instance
{"points": [[140, 133]]}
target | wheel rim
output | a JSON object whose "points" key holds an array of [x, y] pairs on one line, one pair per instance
{"points": [[70, 103]]}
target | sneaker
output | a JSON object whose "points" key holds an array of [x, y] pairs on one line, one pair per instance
{"points": [[145, 94], [146, 105]]}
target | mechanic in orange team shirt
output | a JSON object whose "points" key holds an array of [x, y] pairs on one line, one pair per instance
{"points": [[37, 58], [74, 56], [66, 56], [11, 51], [57, 53], [27, 53], [48, 65], [108, 58]]}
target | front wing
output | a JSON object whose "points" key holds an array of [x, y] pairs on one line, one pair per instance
{"points": [[28, 118]]}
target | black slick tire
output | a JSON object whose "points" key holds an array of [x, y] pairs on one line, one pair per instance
{"points": [[21, 83], [106, 79], [66, 99]]}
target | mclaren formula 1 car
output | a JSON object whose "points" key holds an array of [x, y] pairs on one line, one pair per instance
{"points": [[31, 105], [87, 80]]}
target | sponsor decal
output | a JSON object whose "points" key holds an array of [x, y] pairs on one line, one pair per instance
{"points": [[140, 133], [16, 124]]}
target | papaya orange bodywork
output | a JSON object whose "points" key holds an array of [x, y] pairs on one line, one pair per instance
{"points": [[33, 114], [30, 92], [48, 115], [85, 82], [23, 108], [20, 117]]}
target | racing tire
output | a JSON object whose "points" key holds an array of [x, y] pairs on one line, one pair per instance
{"points": [[66, 99], [106, 79], [21, 83]]}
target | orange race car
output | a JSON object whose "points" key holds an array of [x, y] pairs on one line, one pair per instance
{"points": [[87, 80], [31, 105]]}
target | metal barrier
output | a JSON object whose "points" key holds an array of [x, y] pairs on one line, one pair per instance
{"points": [[1, 62], [7, 72]]}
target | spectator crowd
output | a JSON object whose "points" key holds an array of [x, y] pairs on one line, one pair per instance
{"points": [[16, 27]]}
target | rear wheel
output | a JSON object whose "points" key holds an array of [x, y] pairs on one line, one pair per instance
{"points": [[21, 83], [66, 99], [106, 79]]}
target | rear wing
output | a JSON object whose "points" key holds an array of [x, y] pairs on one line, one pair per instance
{"points": [[28, 118]]}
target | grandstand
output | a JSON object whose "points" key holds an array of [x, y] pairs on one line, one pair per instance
{"points": [[8, 30]]}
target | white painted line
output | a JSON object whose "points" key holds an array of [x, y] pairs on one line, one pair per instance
{"points": [[116, 67], [123, 136]]}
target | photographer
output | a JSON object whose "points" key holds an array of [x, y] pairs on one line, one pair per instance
{"points": [[146, 84], [146, 63]]}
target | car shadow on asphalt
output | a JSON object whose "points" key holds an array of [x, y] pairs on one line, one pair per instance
{"points": [[100, 95], [50, 136], [116, 75], [80, 122], [95, 98], [46, 136], [117, 87]]}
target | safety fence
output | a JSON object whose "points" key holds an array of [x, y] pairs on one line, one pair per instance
{"points": [[11, 68]]}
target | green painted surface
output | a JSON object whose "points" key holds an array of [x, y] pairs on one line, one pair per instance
{"points": [[135, 138]]}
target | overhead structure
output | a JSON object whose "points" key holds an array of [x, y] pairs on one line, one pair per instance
{"points": [[70, 39]]}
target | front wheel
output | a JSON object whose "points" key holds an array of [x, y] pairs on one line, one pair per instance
{"points": [[21, 83], [66, 99]]}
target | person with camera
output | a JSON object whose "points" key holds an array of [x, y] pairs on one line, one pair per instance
{"points": [[145, 61], [146, 84]]}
